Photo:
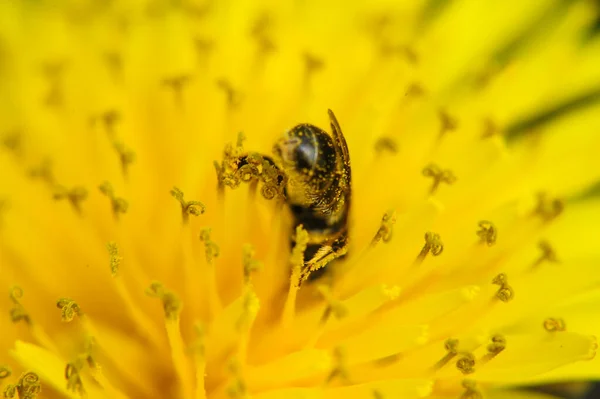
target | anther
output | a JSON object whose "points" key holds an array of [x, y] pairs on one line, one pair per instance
{"points": [[340, 368], [233, 97], [119, 205], [439, 176], [489, 128], [312, 64], [548, 254], [414, 90], [386, 144], [451, 346], [448, 123], [68, 309], [250, 264], [497, 345], [505, 293], [43, 172], [335, 306], [433, 245], [471, 391], [386, 228], [109, 118], [74, 382], [74, 195], [5, 372], [260, 33], [203, 46], [126, 156], [13, 141], [171, 304], [377, 394], [176, 83], [548, 208], [466, 363], [18, 312], [211, 249], [194, 208], [115, 258], [487, 232], [28, 387], [553, 325]]}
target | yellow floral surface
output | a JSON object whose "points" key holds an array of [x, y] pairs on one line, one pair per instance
{"points": [[128, 269]]}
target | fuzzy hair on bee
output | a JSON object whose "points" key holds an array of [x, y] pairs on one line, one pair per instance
{"points": [[310, 170]]}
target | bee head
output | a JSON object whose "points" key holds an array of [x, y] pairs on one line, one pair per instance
{"points": [[307, 156]]}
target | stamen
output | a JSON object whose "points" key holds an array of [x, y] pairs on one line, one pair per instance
{"points": [[466, 364], [114, 62], [237, 388], [126, 156], [497, 345], [335, 306], [433, 245], [171, 304], [18, 312], [554, 325], [109, 118], [203, 47], [13, 141], [115, 258], [505, 293], [43, 172], [414, 90], [439, 176], [340, 368], [489, 128], [172, 309], [28, 387], [119, 205], [386, 229], [260, 32], [69, 309], [75, 195], [312, 64], [195, 208], [297, 263], [548, 208], [451, 346], [471, 391], [386, 144], [449, 123], [548, 254], [5, 372], [233, 97], [74, 382], [198, 350], [211, 249], [487, 232], [176, 83], [250, 264], [377, 394]]}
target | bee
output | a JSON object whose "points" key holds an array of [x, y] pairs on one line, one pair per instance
{"points": [[310, 170]]}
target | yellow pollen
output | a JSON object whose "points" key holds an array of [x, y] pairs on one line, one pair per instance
{"points": [[487, 232], [69, 309], [439, 176], [195, 208], [505, 292], [28, 387], [119, 205], [433, 245], [554, 325], [74, 195], [386, 229], [250, 264]]}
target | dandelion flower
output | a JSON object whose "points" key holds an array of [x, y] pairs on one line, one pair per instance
{"points": [[130, 270]]}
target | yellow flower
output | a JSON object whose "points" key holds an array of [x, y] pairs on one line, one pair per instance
{"points": [[129, 272]]}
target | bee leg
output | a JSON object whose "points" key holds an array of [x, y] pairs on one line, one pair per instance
{"points": [[324, 255]]}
